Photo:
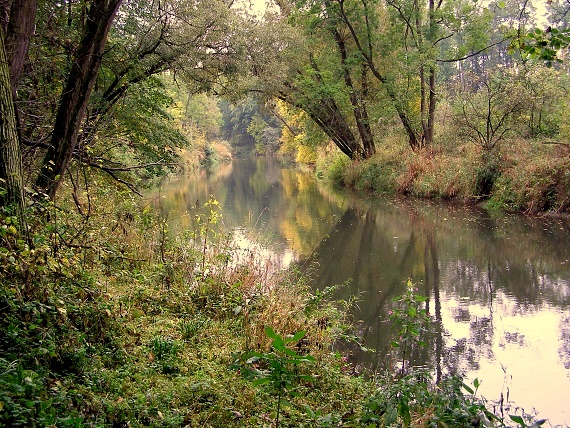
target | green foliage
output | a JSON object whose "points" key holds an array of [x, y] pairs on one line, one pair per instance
{"points": [[486, 176], [266, 135], [193, 326], [145, 130], [410, 320], [534, 185], [334, 169], [493, 110], [26, 400], [164, 353], [519, 420], [542, 45], [277, 368], [235, 122], [413, 401]]}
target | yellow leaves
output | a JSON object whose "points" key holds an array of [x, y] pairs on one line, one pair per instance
{"points": [[306, 155]]}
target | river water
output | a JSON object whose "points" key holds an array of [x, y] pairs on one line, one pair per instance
{"points": [[498, 285]]}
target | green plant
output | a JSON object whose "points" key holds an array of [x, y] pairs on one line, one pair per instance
{"points": [[191, 327], [522, 424], [410, 321], [414, 401], [164, 351], [25, 400], [211, 217], [277, 368]]}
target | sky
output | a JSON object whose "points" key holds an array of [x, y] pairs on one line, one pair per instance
{"points": [[258, 6]]}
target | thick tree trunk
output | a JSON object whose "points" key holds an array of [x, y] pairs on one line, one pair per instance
{"points": [[20, 30], [75, 97], [324, 111], [4, 14], [10, 155]]}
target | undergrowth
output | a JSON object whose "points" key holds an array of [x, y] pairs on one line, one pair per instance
{"points": [[520, 175]]}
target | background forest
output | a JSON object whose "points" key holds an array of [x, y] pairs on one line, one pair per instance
{"points": [[471, 94], [110, 320]]}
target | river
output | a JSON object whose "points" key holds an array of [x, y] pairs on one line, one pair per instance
{"points": [[498, 285]]}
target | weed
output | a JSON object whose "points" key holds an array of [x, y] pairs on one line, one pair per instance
{"points": [[190, 328], [414, 401], [163, 353], [410, 320], [277, 368]]}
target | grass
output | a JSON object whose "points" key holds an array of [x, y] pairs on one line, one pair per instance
{"points": [[96, 336], [521, 175]]}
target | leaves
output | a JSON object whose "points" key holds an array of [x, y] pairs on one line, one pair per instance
{"points": [[277, 369]]}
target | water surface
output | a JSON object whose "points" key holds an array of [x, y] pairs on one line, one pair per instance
{"points": [[498, 285]]}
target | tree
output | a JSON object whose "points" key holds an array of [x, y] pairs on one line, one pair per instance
{"points": [[321, 81], [266, 131], [106, 64], [10, 156], [399, 45], [75, 96], [236, 119], [20, 28], [488, 114]]}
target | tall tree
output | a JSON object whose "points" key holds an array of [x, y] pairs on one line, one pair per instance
{"points": [[80, 82], [400, 42], [19, 31], [10, 156], [326, 80]]}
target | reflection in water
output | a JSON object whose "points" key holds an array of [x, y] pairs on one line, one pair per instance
{"points": [[499, 287]]}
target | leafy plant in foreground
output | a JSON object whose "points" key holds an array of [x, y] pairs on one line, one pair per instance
{"points": [[413, 401], [277, 368], [164, 352]]}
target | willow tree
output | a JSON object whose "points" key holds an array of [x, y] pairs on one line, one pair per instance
{"points": [[400, 43], [112, 105], [319, 74]]}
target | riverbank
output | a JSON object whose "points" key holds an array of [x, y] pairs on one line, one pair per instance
{"points": [[525, 176], [111, 320]]}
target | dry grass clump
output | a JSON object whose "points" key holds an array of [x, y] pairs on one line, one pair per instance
{"points": [[534, 185], [436, 173]]}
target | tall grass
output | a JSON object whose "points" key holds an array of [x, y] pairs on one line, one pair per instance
{"points": [[520, 175]]}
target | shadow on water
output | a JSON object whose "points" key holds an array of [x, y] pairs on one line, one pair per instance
{"points": [[498, 286]]}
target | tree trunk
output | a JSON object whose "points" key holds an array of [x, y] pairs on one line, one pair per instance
{"points": [[19, 32], [324, 111], [4, 14], [366, 51], [432, 99], [75, 97], [10, 155], [329, 118], [357, 102]]}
